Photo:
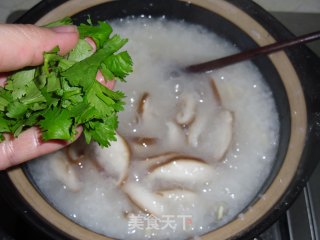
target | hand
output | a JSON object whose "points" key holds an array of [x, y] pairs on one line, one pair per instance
{"points": [[21, 46]]}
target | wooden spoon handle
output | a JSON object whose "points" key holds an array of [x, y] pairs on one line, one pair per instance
{"points": [[221, 62]]}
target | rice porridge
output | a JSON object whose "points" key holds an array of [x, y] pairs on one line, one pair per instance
{"points": [[192, 150]]}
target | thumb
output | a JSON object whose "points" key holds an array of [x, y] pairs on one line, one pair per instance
{"points": [[23, 45]]}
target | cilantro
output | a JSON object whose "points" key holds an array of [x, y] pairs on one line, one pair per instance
{"points": [[100, 34], [63, 93], [60, 22], [56, 124]]}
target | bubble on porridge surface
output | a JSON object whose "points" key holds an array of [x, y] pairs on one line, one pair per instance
{"points": [[158, 47]]}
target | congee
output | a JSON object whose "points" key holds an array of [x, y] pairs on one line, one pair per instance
{"points": [[192, 150]]}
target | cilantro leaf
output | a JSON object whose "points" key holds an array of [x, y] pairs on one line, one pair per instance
{"points": [[63, 93], [16, 110], [120, 65], [56, 124], [16, 83], [99, 34], [5, 99], [101, 132], [81, 51], [32, 94], [60, 22], [83, 73], [3, 124]]}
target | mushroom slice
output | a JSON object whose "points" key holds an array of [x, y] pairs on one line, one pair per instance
{"points": [[142, 146], [145, 111], [175, 134], [76, 151], [215, 92], [154, 161], [216, 141], [159, 158], [64, 171], [74, 155], [225, 133], [143, 103], [196, 129], [144, 199], [144, 141], [186, 109], [115, 159], [228, 92], [181, 171]]}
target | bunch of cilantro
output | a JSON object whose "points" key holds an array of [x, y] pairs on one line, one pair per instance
{"points": [[63, 92]]}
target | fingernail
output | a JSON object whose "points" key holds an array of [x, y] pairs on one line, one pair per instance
{"points": [[65, 29]]}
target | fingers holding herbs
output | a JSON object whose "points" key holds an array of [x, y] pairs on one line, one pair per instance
{"points": [[26, 146], [23, 45], [46, 103]]}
